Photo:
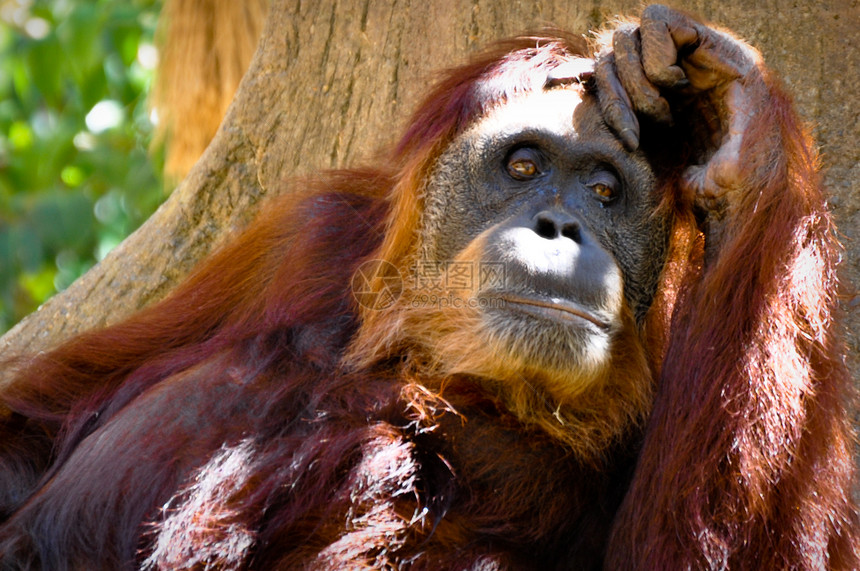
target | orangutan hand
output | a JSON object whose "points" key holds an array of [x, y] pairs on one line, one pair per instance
{"points": [[711, 78]]}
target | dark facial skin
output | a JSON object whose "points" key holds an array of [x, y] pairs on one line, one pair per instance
{"points": [[549, 192]]}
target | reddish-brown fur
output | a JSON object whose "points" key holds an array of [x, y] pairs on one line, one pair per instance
{"points": [[261, 447], [747, 462]]}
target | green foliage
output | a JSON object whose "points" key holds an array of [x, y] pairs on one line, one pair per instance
{"points": [[75, 173]]}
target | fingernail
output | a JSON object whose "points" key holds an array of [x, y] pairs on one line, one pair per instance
{"points": [[630, 139], [682, 83]]}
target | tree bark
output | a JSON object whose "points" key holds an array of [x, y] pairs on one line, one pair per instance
{"points": [[333, 81]]}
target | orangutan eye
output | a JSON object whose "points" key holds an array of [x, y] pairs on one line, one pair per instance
{"points": [[523, 164], [604, 186], [603, 190]]}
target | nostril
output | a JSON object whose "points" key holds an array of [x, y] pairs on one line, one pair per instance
{"points": [[550, 225], [571, 231], [545, 227]]}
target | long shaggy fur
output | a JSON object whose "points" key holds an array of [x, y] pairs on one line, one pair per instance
{"points": [[748, 446], [259, 418]]}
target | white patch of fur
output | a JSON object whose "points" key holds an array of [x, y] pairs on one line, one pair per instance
{"points": [[202, 531]]}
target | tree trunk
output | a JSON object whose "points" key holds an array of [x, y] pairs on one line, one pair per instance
{"points": [[334, 81]]}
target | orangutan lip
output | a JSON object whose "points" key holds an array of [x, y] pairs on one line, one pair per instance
{"points": [[546, 305]]}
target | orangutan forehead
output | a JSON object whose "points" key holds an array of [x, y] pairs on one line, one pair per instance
{"points": [[544, 110], [466, 93], [534, 71]]}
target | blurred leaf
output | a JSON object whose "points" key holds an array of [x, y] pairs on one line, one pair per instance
{"points": [[63, 220], [20, 76], [82, 48], [20, 135], [69, 195], [73, 176], [45, 71], [38, 285]]}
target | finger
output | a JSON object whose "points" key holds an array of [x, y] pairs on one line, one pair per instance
{"points": [[643, 95], [708, 68], [711, 186], [684, 36], [614, 103], [663, 32]]}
